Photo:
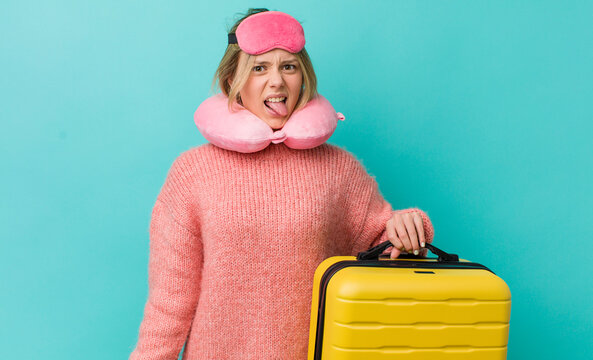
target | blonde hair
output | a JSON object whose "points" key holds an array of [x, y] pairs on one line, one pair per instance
{"points": [[234, 70]]}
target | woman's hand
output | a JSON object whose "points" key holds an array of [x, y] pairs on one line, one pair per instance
{"points": [[405, 230]]}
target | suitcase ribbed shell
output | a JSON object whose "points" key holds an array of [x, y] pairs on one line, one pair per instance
{"points": [[410, 313]]}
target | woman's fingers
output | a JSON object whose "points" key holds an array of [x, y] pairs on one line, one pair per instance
{"points": [[402, 233], [392, 237], [395, 253], [406, 232], [409, 222], [419, 228]]}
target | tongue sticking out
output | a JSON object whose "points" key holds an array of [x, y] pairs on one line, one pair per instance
{"points": [[278, 107]]}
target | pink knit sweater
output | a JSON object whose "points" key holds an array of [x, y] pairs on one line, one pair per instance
{"points": [[235, 239]]}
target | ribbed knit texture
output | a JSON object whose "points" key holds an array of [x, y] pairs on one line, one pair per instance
{"points": [[235, 239]]}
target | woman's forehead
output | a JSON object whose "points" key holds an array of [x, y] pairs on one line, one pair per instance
{"points": [[275, 55]]}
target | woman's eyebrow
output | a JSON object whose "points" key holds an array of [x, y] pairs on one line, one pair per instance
{"points": [[283, 62]]}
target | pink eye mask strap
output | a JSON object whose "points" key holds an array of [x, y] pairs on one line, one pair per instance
{"points": [[269, 30]]}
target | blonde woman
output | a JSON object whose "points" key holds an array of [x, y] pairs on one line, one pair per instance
{"points": [[242, 222]]}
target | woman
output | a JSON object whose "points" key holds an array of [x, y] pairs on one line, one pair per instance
{"points": [[241, 224]]}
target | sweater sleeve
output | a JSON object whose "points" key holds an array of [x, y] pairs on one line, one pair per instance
{"points": [[368, 211], [174, 272]]}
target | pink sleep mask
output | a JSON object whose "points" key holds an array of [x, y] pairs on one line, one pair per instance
{"points": [[240, 130], [268, 30]]}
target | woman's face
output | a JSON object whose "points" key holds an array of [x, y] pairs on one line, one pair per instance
{"points": [[273, 87]]}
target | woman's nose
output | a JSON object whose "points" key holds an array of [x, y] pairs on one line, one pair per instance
{"points": [[275, 78]]}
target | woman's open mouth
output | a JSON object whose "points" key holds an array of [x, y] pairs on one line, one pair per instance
{"points": [[277, 106]]}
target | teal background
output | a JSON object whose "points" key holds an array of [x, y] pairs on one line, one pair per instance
{"points": [[478, 112]]}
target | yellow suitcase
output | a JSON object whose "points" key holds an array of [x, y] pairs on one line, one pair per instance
{"points": [[373, 308]]}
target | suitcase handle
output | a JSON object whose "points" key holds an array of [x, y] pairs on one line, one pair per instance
{"points": [[373, 253]]}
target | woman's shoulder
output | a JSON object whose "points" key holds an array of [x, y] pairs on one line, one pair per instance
{"points": [[197, 156], [187, 169], [192, 162], [341, 154], [347, 165]]}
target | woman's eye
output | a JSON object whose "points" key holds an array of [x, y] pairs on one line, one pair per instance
{"points": [[258, 68], [289, 67]]}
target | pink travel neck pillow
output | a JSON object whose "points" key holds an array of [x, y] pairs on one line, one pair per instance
{"points": [[240, 130]]}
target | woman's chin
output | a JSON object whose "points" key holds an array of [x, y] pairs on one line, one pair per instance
{"points": [[276, 123]]}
